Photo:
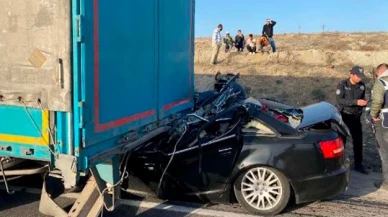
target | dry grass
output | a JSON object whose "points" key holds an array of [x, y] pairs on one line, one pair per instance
{"points": [[306, 68]]}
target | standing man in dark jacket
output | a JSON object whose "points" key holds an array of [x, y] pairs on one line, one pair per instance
{"points": [[268, 31], [351, 100]]}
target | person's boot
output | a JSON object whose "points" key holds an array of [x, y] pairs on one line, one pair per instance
{"points": [[381, 185], [361, 169]]}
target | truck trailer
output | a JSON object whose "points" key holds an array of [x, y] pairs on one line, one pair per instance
{"points": [[85, 82]]}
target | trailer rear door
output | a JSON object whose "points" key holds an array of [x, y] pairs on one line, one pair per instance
{"points": [[136, 65]]}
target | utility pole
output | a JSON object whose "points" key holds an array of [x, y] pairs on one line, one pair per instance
{"points": [[299, 29], [323, 27]]}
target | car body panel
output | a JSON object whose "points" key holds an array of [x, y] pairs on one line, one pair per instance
{"points": [[321, 112], [212, 153], [318, 112], [294, 157], [322, 186]]}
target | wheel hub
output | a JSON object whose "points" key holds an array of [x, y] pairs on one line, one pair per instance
{"points": [[261, 188]]}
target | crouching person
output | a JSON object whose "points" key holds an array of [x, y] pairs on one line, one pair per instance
{"points": [[239, 41], [379, 116], [251, 44], [228, 41], [263, 43]]}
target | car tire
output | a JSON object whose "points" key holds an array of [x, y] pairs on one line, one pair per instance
{"points": [[274, 186]]}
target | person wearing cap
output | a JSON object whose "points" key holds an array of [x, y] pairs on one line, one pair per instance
{"points": [[216, 43], [268, 32], [350, 95], [228, 41], [378, 116]]}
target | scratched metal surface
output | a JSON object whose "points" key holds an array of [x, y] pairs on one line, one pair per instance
{"points": [[34, 37]]}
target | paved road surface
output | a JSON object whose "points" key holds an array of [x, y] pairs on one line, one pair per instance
{"points": [[362, 199], [26, 204]]}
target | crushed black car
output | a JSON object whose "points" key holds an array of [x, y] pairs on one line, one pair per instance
{"points": [[259, 152]]}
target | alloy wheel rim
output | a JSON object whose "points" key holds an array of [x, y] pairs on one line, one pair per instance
{"points": [[261, 188]]}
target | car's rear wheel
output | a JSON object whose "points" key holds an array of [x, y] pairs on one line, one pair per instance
{"points": [[262, 191]]}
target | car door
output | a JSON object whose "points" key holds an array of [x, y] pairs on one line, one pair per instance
{"points": [[218, 154], [182, 175], [205, 157]]}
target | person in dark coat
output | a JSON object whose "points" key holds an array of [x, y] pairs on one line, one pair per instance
{"points": [[268, 32], [350, 96], [239, 41]]}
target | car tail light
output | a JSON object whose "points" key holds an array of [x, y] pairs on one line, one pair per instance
{"points": [[332, 148]]}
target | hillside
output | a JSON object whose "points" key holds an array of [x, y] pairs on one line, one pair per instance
{"points": [[305, 69]]}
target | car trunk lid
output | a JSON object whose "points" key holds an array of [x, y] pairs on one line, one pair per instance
{"points": [[322, 112]]}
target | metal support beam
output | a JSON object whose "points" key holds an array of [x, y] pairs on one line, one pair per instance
{"points": [[89, 203], [107, 179], [101, 191]]}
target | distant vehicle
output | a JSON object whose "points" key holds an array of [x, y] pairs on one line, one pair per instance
{"points": [[260, 152]]}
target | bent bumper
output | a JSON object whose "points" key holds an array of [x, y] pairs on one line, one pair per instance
{"points": [[322, 187]]}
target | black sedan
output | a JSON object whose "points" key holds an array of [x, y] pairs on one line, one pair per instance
{"points": [[258, 151]]}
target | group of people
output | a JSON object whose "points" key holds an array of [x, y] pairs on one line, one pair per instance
{"points": [[252, 44], [351, 101], [350, 95]]}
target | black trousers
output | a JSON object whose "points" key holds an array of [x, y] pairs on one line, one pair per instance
{"points": [[227, 47], [239, 47], [382, 145], [251, 49], [354, 124]]}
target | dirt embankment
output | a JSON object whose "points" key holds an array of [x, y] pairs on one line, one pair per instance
{"points": [[306, 69]]}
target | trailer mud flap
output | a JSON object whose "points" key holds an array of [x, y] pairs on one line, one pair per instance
{"points": [[47, 205]]}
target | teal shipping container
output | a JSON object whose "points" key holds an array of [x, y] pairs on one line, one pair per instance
{"points": [[83, 81]]}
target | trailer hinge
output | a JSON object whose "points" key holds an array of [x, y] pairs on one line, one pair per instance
{"points": [[129, 137], [79, 28]]}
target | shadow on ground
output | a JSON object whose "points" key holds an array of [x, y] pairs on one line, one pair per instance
{"points": [[9, 201]]}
